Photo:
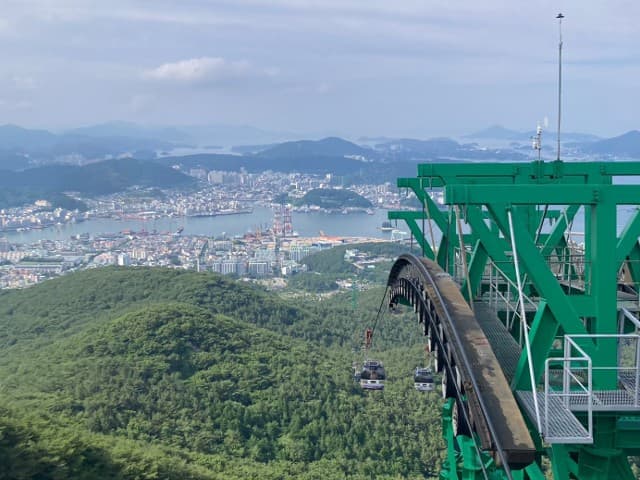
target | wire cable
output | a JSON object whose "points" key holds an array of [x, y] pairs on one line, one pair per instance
{"points": [[523, 322], [380, 311]]}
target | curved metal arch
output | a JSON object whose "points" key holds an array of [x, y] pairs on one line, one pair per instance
{"points": [[478, 384]]}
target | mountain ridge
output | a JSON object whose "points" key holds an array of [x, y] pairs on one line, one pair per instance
{"points": [[625, 145], [108, 176], [498, 132], [329, 146]]}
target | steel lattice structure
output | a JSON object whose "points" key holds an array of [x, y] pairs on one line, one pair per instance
{"points": [[557, 311]]}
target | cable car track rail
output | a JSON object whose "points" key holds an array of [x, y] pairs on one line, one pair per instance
{"points": [[469, 362]]}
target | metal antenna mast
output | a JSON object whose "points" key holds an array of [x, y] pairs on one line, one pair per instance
{"points": [[560, 16], [537, 141]]}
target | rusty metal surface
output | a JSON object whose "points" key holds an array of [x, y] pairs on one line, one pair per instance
{"points": [[496, 417]]}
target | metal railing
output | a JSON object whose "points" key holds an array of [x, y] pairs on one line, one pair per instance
{"points": [[625, 280], [617, 386], [459, 273], [570, 267], [568, 386], [503, 295]]}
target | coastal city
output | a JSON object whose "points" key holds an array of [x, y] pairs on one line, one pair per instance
{"points": [[273, 249]]}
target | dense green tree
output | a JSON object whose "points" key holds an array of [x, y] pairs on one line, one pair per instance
{"points": [[313, 282], [154, 373], [334, 198]]}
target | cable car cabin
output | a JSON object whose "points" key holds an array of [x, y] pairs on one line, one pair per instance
{"points": [[372, 375], [423, 379]]}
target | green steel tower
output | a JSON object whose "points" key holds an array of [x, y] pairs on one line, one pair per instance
{"points": [[551, 275]]}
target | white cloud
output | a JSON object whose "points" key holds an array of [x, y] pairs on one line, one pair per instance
{"points": [[207, 71], [335, 55]]}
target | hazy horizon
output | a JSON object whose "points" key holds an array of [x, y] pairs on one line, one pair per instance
{"points": [[265, 135], [320, 68]]}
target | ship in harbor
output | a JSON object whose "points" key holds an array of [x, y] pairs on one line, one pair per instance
{"points": [[225, 211], [386, 226]]}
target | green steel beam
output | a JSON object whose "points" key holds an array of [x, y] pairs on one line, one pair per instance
{"points": [[549, 195], [534, 472], [410, 218], [464, 460], [544, 329], [485, 193], [611, 169], [431, 212], [627, 437], [440, 220], [416, 185], [477, 264], [603, 463], [582, 304], [602, 239], [450, 465], [420, 238], [538, 272], [533, 172], [634, 263], [446, 255], [404, 214], [560, 462], [628, 237], [493, 245], [559, 229]]}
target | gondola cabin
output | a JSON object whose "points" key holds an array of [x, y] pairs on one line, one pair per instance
{"points": [[423, 379], [372, 375]]}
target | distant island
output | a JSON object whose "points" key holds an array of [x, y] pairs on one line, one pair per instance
{"points": [[113, 157], [99, 178], [328, 199]]}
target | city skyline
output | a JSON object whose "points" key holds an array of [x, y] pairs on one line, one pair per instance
{"points": [[320, 68]]}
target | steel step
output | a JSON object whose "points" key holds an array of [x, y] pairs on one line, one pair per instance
{"points": [[562, 425]]}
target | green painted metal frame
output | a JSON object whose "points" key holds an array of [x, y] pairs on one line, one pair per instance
{"points": [[485, 195]]}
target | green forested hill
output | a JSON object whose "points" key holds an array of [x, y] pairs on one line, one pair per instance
{"points": [[59, 307], [334, 198], [138, 373], [108, 176], [55, 308]]}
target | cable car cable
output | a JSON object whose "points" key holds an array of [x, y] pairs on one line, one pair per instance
{"points": [[380, 311]]}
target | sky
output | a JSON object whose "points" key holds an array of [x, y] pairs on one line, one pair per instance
{"points": [[347, 67]]}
